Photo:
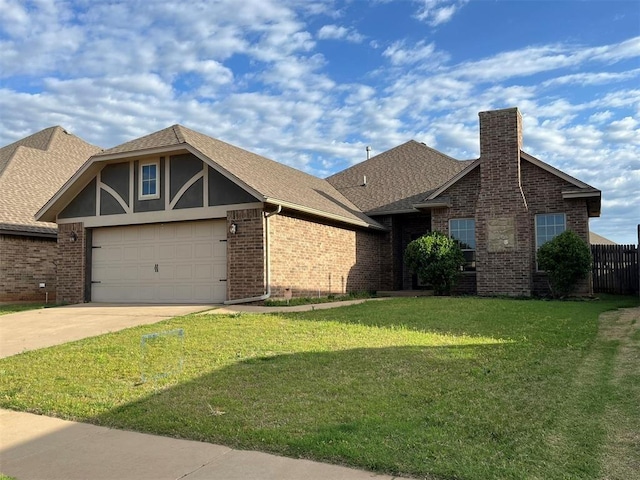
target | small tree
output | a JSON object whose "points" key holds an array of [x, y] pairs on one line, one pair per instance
{"points": [[566, 259], [436, 259]]}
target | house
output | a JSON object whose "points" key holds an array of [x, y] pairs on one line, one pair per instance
{"points": [[595, 239], [31, 171], [501, 207], [177, 216]]}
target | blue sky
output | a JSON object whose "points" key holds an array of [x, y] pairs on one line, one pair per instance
{"points": [[311, 83]]}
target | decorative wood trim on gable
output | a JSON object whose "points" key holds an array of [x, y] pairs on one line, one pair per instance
{"points": [[115, 195], [186, 187]]}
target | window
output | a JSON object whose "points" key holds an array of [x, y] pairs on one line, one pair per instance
{"points": [[464, 231], [149, 181], [548, 226]]}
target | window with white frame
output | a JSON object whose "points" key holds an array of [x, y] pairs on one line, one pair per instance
{"points": [[464, 231], [149, 181], [548, 226]]}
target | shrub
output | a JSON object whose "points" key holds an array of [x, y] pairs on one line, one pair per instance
{"points": [[436, 259], [566, 259]]}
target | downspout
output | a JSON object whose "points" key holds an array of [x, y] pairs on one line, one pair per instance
{"points": [[267, 266]]}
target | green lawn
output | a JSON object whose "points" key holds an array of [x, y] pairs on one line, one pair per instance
{"points": [[20, 307], [431, 387]]}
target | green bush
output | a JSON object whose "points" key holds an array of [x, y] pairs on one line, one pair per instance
{"points": [[436, 259], [566, 259]]}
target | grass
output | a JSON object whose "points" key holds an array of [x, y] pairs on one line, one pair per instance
{"points": [[21, 307], [430, 387]]}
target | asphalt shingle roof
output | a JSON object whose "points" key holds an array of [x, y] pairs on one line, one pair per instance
{"points": [[396, 179], [32, 170], [273, 180]]}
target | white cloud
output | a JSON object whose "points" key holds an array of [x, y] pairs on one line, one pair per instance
{"points": [[399, 54], [110, 81], [592, 78], [601, 117], [437, 12], [538, 59], [335, 32]]}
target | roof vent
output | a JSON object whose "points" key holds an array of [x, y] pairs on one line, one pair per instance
{"points": [[368, 152]]}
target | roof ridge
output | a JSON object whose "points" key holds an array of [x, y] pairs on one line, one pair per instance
{"points": [[177, 130], [27, 141]]}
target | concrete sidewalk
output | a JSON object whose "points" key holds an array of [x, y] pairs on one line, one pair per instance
{"points": [[229, 309], [38, 447]]}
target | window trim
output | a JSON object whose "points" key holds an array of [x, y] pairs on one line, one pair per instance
{"points": [[153, 196], [535, 232], [469, 266]]}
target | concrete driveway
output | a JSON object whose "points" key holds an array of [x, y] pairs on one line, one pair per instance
{"points": [[41, 328]]}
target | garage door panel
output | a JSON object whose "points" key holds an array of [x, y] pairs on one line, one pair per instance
{"points": [[184, 251], [190, 259], [107, 254], [203, 272], [203, 251], [146, 233], [167, 252], [220, 249], [184, 231], [184, 272], [130, 253], [148, 253], [146, 273]]}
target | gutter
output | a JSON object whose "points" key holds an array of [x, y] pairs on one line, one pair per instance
{"points": [[267, 266], [322, 214]]}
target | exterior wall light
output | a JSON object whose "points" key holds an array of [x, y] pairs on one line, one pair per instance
{"points": [[233, 229], [73, 236]]}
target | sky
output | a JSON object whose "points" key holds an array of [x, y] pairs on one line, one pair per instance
{"points": [[311, 83]]}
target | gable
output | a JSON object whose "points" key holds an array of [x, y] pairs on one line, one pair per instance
{"points": [[534, 174], [184, 182], [32, 170]]}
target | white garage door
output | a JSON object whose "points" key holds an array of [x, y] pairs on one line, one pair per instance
{"points": [[181, 262]]}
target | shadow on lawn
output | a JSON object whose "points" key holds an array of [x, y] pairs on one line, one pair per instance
{"points": [[386, 409]]}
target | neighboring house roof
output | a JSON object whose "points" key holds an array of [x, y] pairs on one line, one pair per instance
{"points": [[31, 171], [579, 189], [270, 181], [396, 179], [595, 239]]}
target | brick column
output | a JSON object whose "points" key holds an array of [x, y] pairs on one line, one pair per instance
{"points": [[504, 233], [71, 266], [245, 254]]}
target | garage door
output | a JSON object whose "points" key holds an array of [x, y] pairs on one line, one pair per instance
{"points": [[182, 262]]}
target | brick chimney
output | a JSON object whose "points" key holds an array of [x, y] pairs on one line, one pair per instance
{"points": [[503, 224]]}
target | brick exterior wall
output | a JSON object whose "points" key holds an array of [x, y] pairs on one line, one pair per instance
{"points": [[390, 263], [543, 191], [313, 258], [464, 199], [491, 194], [25, 262], [245, 254], [71, 263]]}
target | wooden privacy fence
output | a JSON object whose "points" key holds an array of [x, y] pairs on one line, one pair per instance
{"points": [[615, 269]]}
